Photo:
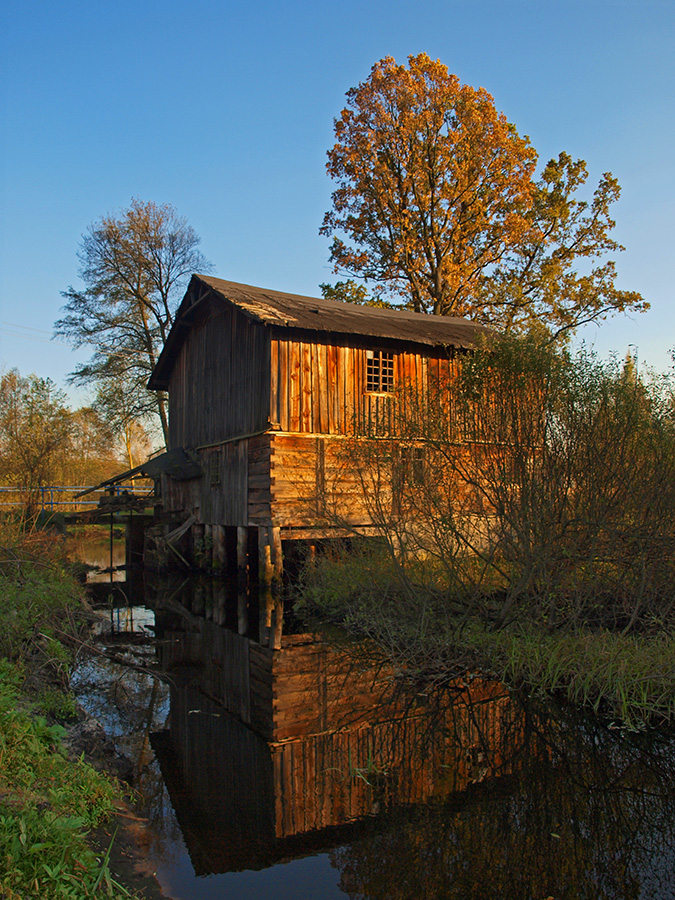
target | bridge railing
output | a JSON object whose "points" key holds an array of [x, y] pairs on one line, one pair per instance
{"points": [[63, 497]]}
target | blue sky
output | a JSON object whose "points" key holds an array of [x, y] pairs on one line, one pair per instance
{"points": [[225, 110]]}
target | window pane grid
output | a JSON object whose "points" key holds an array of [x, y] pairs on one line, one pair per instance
{"points": [[379, 371]]}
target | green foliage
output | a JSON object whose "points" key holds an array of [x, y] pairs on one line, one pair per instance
{"points": [[47, 804], [630, 678], [41, 602], [350, 291], [35, 428]]}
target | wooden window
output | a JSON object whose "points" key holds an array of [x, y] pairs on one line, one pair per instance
{"points": [[214, 468], [379, 371]]}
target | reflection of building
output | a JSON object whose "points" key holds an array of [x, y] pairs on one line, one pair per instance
{"points": [[270, 751]]}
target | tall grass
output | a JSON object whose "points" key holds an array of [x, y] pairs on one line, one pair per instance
{"points": [[48, 803]]}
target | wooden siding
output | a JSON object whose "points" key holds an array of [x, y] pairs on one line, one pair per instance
{"points": [[320, 388], [271, 415], [223, 502], [313, 483], [260, 480], [220, 382]]}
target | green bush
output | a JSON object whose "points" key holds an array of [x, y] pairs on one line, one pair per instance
{"points": [[47, 806]]}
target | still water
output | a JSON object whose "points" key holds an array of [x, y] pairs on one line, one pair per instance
{"points": [[314, 771]]}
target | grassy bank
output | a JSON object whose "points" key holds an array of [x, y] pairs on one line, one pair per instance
{"points": [[624, 677], [48, 803]]}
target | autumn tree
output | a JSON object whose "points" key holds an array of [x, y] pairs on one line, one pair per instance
{"points": [[134, 267], [35, 430], [438, 206]]}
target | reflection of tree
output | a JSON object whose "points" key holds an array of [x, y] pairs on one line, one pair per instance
{"points": [[589, 816], [130, 704]]}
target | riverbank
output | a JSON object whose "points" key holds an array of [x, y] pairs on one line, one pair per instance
{"points": [[66, 827]]}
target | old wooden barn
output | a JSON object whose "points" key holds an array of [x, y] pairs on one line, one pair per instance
{"points": [[265, 388]]}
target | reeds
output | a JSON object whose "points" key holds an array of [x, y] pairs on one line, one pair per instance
{"points": [[628, 678]]}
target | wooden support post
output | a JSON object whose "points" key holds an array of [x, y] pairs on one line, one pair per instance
{"points": [[242, 613], [276, 624], [219, 548], [277, 555], [242, 579], [242, 557], [197, 532], [198, 598], [265, 566], [208, 547], [265, 575], [265, 607], [134, 540], [208, 599], [270, 574]]}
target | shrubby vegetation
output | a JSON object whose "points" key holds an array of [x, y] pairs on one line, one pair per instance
{"points": [[525, 521], [48, 803]]}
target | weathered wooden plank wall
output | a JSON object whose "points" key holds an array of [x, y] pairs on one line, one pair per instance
{"points": [[235, 378], [220, 384], [319, 388], [220, 495]]}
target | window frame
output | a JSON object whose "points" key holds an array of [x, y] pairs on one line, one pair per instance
{"points": [[379, 375]]}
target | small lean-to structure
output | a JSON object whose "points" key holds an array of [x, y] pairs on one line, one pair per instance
{"points": [[265, 388]]}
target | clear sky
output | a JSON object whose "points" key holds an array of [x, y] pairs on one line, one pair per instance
{"points": [[225, 110]]}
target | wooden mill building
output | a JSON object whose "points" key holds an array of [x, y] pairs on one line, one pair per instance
{"points": [[265, 387]]}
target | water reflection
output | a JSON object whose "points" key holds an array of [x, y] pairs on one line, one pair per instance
{"points": [[96, 553], [315, 770]]}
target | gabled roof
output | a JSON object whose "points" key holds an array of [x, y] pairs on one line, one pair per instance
{"points": [[280, 310]]}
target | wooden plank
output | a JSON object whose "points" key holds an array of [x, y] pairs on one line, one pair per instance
{"points": [[331, 380], [283, 384], [351, 416], [292, 442], [294, 364], [259, 482], [307, 394], [262, 467], [323, 390], [274, 381]]}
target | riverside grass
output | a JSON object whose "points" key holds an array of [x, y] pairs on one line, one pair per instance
{"points": [[628, 679], [48, 803]]}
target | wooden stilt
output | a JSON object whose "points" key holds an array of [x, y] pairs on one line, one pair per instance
{"points": [[242, 557], [276, 624], [270, 573], [242, 613], [265, 566], [265, 607], [208, 599], [277, 555], [197, 532], [219, 547], [208, 547], [242, 579]]}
